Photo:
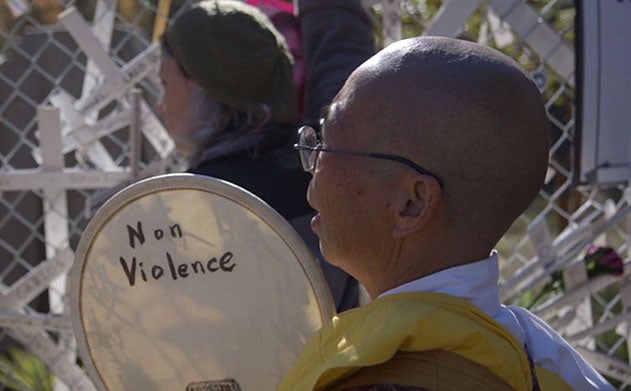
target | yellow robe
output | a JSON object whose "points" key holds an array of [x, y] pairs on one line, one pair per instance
{"points": [[412, 322]]}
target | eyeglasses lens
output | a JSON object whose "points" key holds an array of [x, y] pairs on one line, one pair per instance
{"points": [[308, 138]]}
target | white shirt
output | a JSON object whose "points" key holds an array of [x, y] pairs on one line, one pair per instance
{"points": [[477, 283]]}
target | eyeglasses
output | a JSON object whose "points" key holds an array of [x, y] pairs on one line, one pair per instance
{"points": [[309, 145]]}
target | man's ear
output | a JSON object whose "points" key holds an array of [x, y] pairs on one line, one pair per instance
{"points": [[416, 202]]}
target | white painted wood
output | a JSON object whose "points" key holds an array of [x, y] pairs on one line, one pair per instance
{"points": [[135, 140], [623, 328], [607, 365], [55, 210], [391, 21], [69, 178], [118, 81], [102, 28], [55, 202], [542, 38], [451, 17], [500, 30], [569, 245], [36, 281], [575, 276], [571, 297], [541, 239], [87, 41], [84, 135], [155, 132], [600, 328], [104, 17], [78, 134], [35, 321]]}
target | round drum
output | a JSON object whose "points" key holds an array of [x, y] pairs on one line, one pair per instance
{"points": [[185, 282]]}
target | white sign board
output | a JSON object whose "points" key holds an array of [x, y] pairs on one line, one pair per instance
{"points": [[603, 91]]}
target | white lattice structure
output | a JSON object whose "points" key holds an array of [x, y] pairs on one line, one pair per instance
{"points": [[72, 131]]}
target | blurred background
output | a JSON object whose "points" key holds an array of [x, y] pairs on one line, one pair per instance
{"points": [[78, 85]]}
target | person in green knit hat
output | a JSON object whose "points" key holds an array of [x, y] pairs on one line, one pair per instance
{"points": [[427, 155], [227, 73], [230, 105]]}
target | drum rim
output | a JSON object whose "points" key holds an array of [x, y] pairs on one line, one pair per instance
{"points": [[186, 181]]}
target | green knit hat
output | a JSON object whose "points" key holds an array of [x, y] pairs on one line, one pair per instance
{"points": [[235, 54]]}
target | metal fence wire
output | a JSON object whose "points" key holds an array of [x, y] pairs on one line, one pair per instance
{"points": [[78, 77]]}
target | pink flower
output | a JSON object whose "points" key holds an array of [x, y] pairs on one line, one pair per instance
{"points": [[603, 260]]}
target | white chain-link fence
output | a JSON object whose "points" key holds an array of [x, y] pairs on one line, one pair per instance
{"points": [[72, 131]]}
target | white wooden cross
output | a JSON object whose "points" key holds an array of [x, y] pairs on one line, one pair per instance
{"points": [[54, 180], [30, 329], [80, 130]]}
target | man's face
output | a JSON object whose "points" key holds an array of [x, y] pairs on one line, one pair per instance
{"points": [[178, 107], [348, 196]]}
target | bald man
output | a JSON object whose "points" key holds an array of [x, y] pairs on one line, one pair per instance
{"points": [[427, 155]]}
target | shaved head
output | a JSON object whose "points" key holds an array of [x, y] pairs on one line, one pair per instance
{"points": [[463, 111], [427, 155]]}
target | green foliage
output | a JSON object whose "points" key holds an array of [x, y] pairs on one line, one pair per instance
{"points": [[22, 371]]}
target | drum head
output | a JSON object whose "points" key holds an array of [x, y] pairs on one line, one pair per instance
{"points": [[184, 282]]}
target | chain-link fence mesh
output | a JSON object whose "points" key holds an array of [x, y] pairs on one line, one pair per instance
{"points": [[47, 194]]}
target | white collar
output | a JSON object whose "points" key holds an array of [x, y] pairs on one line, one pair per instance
{"points": [[475, 282]]}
